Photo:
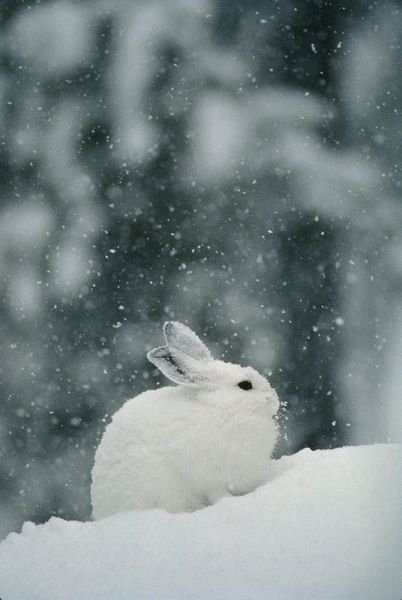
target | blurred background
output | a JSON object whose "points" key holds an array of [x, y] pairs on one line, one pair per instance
{"points": [[233, 165]]}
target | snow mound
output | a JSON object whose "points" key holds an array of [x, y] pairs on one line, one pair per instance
{"points": [[327, 526]]}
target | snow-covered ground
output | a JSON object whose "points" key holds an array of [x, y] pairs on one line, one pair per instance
{"points": [[327, 526]]}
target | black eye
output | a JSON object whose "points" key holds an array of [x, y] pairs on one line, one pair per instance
{"points": [[245, 385]]}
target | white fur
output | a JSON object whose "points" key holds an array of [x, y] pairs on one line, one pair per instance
{"points": [[181, 448]]}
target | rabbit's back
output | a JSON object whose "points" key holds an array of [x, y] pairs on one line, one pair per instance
{"points": [[166, 449]]}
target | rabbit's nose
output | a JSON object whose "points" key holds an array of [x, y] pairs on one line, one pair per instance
{"points": [[274, 403]]}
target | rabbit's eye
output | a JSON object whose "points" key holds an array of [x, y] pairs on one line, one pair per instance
{"points": [[245, 385]]}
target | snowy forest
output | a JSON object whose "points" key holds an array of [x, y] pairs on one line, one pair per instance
{"points": [[232, 165]]}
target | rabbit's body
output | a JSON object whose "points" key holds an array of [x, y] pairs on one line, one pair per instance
{"points": [[183, 447]]}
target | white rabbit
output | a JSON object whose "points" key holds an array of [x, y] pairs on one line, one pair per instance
{"points": [[181, 448]]}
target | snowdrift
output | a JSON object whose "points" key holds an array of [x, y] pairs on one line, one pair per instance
{"points": [[327, 526]]}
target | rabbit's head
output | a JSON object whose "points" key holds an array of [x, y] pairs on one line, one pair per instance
{"points": [[187, 361]]}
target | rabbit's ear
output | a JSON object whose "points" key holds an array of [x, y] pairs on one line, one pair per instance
{"points": [[176, 365], [180, 337]]}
